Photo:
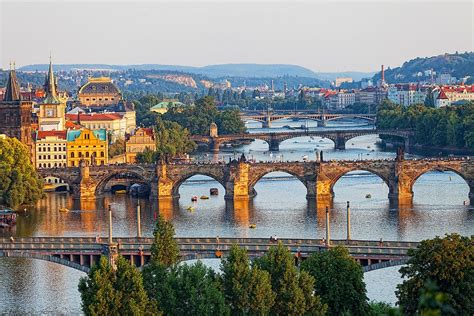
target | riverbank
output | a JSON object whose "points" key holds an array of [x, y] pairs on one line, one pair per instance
{"points": [[428, 150]]}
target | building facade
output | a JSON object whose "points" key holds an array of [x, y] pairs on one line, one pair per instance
{"points": [[114, 123], [88, 145], [51, 149], [141, 140], [99, 92]]}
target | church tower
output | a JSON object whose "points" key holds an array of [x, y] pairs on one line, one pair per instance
{"points": [[52, 114], [15, 114]]}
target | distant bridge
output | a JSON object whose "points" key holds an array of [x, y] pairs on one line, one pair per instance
{"points": [[266, 118], [82, 252], [339, 137]]}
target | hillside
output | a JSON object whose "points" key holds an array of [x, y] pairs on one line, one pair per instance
{"points": [[457, 65]]}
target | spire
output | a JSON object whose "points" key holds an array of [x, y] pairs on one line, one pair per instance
{"points": [[12, 92], [50, 85]]}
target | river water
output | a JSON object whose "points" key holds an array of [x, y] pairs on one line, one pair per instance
{"points": [[280, 208]]}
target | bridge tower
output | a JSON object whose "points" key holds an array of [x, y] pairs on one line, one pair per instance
{"points": [[214, 144], [239, 183]]}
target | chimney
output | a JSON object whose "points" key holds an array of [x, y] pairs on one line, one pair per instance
{"points": [[383, 74]]}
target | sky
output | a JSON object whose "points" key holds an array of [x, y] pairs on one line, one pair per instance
{"points": [[327, 36]]}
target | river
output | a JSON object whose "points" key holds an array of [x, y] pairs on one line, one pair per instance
{"points": [[280, 208]]}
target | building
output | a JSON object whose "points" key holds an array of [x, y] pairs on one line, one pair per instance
{"points": [[406, 94], [341, 99], [99, 92], [90, 145], [367, 95], [142, 139], [114, 123], [163, 106], [15, 114], [51, 149], [52, 111], [459, 93], [442, 100]]}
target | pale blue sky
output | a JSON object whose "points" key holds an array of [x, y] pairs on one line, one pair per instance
{"points": [[320, 35]]}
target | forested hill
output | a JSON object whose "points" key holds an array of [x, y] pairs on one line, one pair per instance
{"points": [[458, 65]]}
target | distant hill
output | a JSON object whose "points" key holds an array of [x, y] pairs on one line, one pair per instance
{"points": [[214, 71], [457, 65]]}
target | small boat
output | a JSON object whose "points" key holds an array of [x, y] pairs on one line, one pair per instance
{"points": [[63, 210], [7, 218], [194, 198], [204, 197], [121, 192], [190, 208], [368, 196], [252, 226], [214, 191]]}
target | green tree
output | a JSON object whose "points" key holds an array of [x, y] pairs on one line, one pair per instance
{"points": [[171, 140], [449, 262], [246, 289], [117, 148], [105, 291], [339, 281], [294, 291], [19, 181], [165, 249], [147, 156], [383, 309]]}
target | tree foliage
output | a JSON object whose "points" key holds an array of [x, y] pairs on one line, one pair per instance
{"points": [[247, 290], [105, 291], [339, 281], [117, 148], [165, 249], [449, 126], [449, 263], [19, 181], [198, 118], [293, 289]]}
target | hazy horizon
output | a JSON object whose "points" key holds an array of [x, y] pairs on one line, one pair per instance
{"points": [[322, 36]]}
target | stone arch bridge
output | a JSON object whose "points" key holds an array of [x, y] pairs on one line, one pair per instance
{"points": [[339, 137], [82, 253], [239, 176]]}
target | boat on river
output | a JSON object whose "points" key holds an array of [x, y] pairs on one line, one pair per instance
{"points": [[121, 192], [194, 198], [204, 197], [7, 218], [63, 210], [214, 191]]}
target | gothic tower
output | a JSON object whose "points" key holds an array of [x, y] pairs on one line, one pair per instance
{"points": [[15, 114], [52, 114]]}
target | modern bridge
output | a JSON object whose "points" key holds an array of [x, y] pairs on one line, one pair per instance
{"points": [[266, 118], [238, 177], [82, 253], [339, 137]]}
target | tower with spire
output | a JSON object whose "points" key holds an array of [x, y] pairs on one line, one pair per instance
{"points": [[52, 114], [15, 113]]}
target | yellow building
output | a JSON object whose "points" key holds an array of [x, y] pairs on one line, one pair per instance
{"points": [[88, 145], [98, 92], [137, 143], [50, 149]]}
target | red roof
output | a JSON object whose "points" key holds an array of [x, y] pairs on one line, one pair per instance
{"points": [[442, 95], [94, 117], [72, 125], [44, 134]]}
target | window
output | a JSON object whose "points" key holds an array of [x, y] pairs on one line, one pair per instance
{"points": [[102, 154], [87, 154], [72, 155], [80, 154]]}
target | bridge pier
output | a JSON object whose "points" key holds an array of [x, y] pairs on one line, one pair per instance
{"points": [[322, 123], [340, 143], [267, 123], [324, 193], [214, 146], [274, 145]]}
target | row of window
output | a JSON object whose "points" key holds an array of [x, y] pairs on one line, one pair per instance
{"points": [[86, 154], [76, 163], [52, 165], [100, 99], [48, 157], [55, 180], [54, 148], [87, 146]]}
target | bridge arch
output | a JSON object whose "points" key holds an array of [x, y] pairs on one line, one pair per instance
{"points": [[48, 258], [135, 176], [431, 168], [385, 264], [177, 183], [380, 175], [255, 177], [58, 174]]}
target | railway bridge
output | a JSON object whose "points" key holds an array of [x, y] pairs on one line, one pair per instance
{"points": [[266, 118], [339, 137], [82, 252], [238, 177]]}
